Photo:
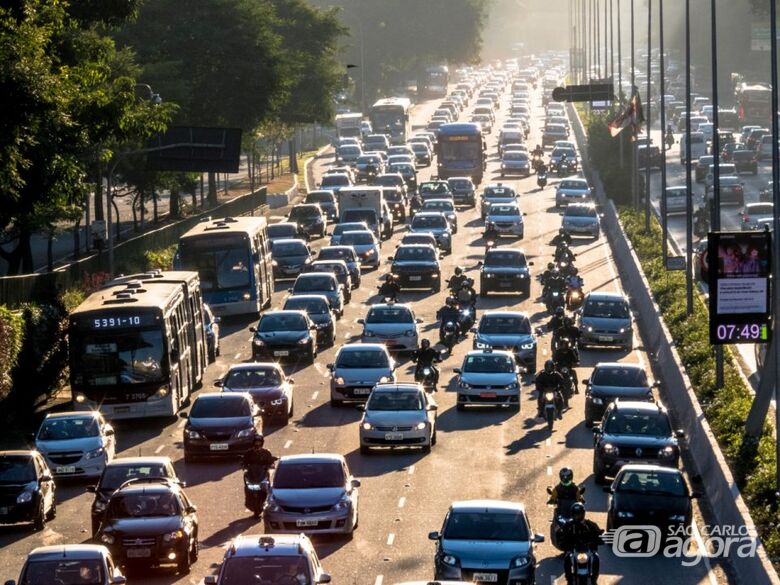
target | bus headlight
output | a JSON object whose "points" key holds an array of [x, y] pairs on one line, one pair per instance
{"points": [[162, 392], [80, 398], [246, 296]]}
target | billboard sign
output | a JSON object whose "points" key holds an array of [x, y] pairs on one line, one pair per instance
{"points": [[739, 276]]}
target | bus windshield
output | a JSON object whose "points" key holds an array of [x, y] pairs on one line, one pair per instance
{"points": [[223, 262], [387, 120], [118, 357], [466, 150]]}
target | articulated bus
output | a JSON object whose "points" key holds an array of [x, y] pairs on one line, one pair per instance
{"points": [[233, 259], [391, 116], [434, 81], [461, 151], [131, 348], [754, 103]]}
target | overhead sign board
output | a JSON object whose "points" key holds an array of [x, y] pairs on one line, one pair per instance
{"points": [[592, 92], [739, 281], [195, 149]]}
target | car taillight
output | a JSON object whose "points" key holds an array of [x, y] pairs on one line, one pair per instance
{"points": [[738, 188], [745, 218]]}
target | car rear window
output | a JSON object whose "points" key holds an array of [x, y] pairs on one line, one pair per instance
{"points": [[308, 475], [649, 424], [499, 526], [220, 408], [617, 376], [363, 358], [651, 483], [606, 309]]}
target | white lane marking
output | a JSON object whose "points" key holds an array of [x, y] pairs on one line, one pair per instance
{"points": [[379, 579], [159, 449], [314, 396], [287, 444], [411, 470], [390, 539], [700, 543], [547, 442], [237, 356], [401, 502], [549, 470]]}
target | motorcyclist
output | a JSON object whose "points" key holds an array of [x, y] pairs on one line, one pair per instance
{"points": [[257, 461], [562, 237], [574, 280], [548, 379], [538, 151], [669, 138], [389, 289], [541, 169], [567, 330], [371, 171], [556, 321], [457, 279], [425, 357], [547, 273], [564, 254], [467, 296], [580, 533], [556, 282], [567, 356], [566, 489], [449, 312]]}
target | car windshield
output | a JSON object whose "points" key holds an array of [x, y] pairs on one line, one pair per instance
{"points": [[314, 283], [606, 309], [335, 181], [325, 266], [281, 322], [501, 258], [347, 227], [62, 429], [441, 188], [304, 212], [508, 526], [309, 475], [281, 231], [504, 210], [286, 250], [580, 211], [415, 253], [357, 238], [558, 152], [389, 181], [395, 401], [349, 150], [516, 156], [505, 325], [266, 570], [488, 364], [389, 315], [619, 376], [319, 198], [115, 475], [651, 483], [461, 184], [64, 572], [651, 424], [362, 358], [311, 306], [257, 378], [222, 407], [573, 185], [16, 469], [346, 254], [740, 155], [428, 221], [437, 206], [498, 192], [143, 505]]}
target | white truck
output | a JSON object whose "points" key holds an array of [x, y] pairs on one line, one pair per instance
{"points": [[349, 125], [363, 204]]}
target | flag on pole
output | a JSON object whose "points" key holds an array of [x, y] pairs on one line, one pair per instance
{"points": [[631, 117]]}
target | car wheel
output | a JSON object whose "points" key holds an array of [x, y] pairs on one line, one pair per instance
{"points": [[291, 410], [426, 448], [189, 457], [184, 563], [434, 437], [527, 291], [460, 406], [312, 354], [95, 528], [195, 550], [40, 518], [212, 355], [217, 351], [335, 403], [52, 511]]}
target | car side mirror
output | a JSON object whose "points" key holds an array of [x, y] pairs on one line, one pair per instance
{"points": [[585, 382], [531, 263], [360, 407], [218, 383], [290, 381], [538, 538], [109, 432], [183, 415], [390, 258], [434, 536], [457, 370], [91, 489], [191, 509], [289, 290], [330, 367], [433, 407], [549, 489], [11, 582], [596, 429], [656, 384], [679, 433], [253, 329], [46, 477], [324, 578], [361, 321], [210, 580], [217, 319], [355, 483], [480, 264]]}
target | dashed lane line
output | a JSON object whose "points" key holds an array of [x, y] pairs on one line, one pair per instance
{"points": [[401, 502], [390, 539], [159, 449], [288, 443]]}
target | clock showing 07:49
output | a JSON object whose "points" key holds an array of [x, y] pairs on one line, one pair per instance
{"points": [[742, 332]]}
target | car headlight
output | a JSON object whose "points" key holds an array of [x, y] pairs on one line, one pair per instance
{"points": [[385, 380], [367, 426], [100, 506], [243, 433], [368, 333], [512, 386], [272, 505], [107, 539], [161, 393], [303, 341], [622, 330], [277, 402], [528, 346], [80, 398], [339, 380], [172, 536], [666, 452], [589, 328], [421, 425], [597, 400], [191, 434], [258, 342], [464, 385], [521, 562], [274, 263], [450, 560], [246, 296], [24, 497], [609, 449], [410, 333], [343, 503], [490, 275], [94, 453], [677, 518], [625, 514]]}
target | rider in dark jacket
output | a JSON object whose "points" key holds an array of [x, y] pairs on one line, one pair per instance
{"points": [[449, 312], [566, 489], [425, 357], [390, 288], [257, 461], [580, 533], [457, 279], [561, 238], [547, 379]]}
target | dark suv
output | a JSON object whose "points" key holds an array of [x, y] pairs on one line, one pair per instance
{"points": [[310, 218], [151, 523], [634, 432], [417, 266], [505, 270]]}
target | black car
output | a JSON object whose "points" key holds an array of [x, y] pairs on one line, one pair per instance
{"points": [[151, 523], [310, 218], [211, 328], [339, 269], [417, 266], [282, 231], [289, 258], [121, 470], [267, 384], [221, 425], [650, 495], [745, 161], [634, 432], [463, 190], [396, 201], [505, 270], [320, 313], [327, 201], [27, 490], [348, 255], [614, 380], [284, 336]]}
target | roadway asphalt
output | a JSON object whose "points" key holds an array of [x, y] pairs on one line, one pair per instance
{"points": [[404, 495]]}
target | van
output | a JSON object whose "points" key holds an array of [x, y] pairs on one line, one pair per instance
{"points": [[698, 146]]}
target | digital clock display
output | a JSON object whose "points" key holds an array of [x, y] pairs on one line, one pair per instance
{"points": [[115, 321], [741, 333]]}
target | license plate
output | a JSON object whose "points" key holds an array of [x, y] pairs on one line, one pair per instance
{"points": [[304, 523], [218, 446], [281, 353], [604, 338], [362, 391], [415, 278], [487, 394], [121, 409], [394, 436], [486, 577], [65, 469], [505, 284], [139, 553]]}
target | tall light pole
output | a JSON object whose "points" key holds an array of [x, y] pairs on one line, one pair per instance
{"points": [[775, 345], [688, 181], [634, 171], [716, 163], [649, 100], [662, 90]]}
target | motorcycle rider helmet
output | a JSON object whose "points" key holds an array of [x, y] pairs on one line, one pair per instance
{"points": [[577, 512], [259, 441], [562, 231], [389, 278], [550, 266], [458, 271], [425, 344], [568, 321], [574, 271], [464, 284], [549, 366], [560, 311], [567, 475], [450, 301]]}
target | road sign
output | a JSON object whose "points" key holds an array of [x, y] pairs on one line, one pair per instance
{"points": [[194, 149], [675, 262], [594, 92]]}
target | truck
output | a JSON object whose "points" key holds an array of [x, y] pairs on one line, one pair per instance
{"points": [[362, 204], [349, 125]]}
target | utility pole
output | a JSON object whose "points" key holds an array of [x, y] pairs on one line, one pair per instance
{"points": [[662, 90], [634, 170], [715, 221], [775, 345], [648, 99], [688, 181]]}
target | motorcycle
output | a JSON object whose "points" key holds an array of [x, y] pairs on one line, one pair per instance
{"points": [[424, 375], [388, 294], [582, 565], [490, 237], [415, 203], [563, 253], [565, 169], [466, 318], [554, 300], [541, 180], [551, 407], [567, 391], [561, 517], [449, 335], [565, 267], [255, 489], [536, 161], [574, 298]]}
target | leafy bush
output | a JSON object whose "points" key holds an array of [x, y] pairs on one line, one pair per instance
{"points": [[11, 334], [752, 463], [161, 259]]}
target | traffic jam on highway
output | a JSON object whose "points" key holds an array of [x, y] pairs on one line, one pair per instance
{"points": [[424, 370]]}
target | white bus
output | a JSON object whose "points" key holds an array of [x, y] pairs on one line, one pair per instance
{"points": [[391, 116]]}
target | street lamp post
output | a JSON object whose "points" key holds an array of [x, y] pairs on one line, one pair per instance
{"points": [[662, 119], [648, 99], [715, 164], [688, 181]]}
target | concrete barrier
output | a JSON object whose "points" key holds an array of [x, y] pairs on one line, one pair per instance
{"points": [[705, 456], [277, 200]]}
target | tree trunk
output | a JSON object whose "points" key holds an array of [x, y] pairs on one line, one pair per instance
{"points": [[134, 209], [202, 192], [118, 220], [194, 199], [173, 210], [212, 198], [154, 205], [250, 167], [142, 198], [99, 216], [77, 240]]}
